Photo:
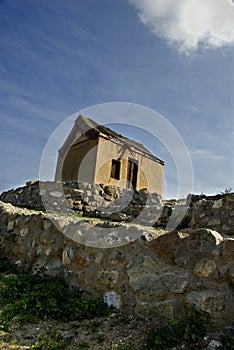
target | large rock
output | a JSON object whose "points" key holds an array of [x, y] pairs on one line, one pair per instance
{"points": [[154, 277], [166, 245], [214, 302], [203, 240], [228, 250], [162, 310]]}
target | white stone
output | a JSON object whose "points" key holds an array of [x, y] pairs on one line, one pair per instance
{"points": [[214, 344], [56, 194], [112, 299], [217, 204]]}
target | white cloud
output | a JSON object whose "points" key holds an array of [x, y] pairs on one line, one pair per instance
{"points": [[189, 24]]}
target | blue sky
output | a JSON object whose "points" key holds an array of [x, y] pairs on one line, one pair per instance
{"points": [[62, 56]]}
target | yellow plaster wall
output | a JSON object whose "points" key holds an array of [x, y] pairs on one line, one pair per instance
{"points": [[80, 162], [150, 172]]}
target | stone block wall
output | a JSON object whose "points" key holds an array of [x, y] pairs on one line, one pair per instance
{"points": [[154, 278]]}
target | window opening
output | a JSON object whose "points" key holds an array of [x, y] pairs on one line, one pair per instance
{"points": [[115, 169]]}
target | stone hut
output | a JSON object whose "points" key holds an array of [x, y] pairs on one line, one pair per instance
{"points": [[96, 154]]}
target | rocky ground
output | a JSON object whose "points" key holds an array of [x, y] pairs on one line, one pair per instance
{"points": [[117, 331]]}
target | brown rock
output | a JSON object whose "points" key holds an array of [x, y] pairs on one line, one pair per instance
{"points": [[203, 240], [166, 245], [205, 268], [228, 250]]}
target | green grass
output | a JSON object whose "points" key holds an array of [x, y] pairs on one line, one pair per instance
{"points": [[189, 330], [32, 297]]}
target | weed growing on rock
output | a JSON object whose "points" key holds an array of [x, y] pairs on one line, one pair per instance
{"points": [[227, 341], [189, 330], [51, 341]]}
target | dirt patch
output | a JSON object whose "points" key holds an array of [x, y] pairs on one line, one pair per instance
{"points": [[117, 331]]}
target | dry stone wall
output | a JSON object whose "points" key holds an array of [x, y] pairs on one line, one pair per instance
{"points": [[117, 204], [152, 277], [109, 202], [215, 212]]}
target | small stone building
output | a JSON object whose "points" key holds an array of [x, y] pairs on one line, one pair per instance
{"points": [[96, 154]]}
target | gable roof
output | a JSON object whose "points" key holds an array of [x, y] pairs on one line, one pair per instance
{"points": [[87, 126]]}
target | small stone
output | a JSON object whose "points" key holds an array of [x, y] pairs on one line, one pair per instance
{"points": [[10, 225], [78, 192], [116, 257], [67, 256], [88, 194], [214, 222], [24, 231], [70, 202], [32, 182], [205, 268], [56, 194], [146, 236], [118, 217], [18, 263], [48, 251], [81, 260], [214, 344], [112, 299], [47, 224], [222, 271], [181, 261], [98, 257], [226, 227], [53, 267], [107, 277], [217, 204], [67, 336]]}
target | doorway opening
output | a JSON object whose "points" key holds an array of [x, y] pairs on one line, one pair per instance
{"points": [[132, 172]]}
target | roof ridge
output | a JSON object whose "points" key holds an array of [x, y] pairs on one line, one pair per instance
{"points": [[90, 124]]}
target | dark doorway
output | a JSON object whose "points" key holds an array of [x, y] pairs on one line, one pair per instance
{"points": [[132, 172]]}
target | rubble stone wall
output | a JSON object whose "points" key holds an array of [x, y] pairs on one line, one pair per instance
{"points": [[215, 212], [108, 202], [155, 278]]}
